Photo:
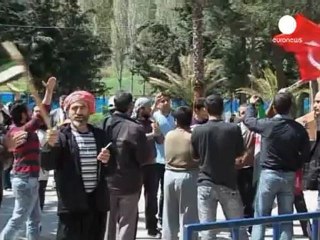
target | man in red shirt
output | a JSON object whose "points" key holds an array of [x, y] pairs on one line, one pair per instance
{"points": [[25, 171]]}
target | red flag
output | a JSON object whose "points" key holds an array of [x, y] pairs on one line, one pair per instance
{"points": [[304, 43]]}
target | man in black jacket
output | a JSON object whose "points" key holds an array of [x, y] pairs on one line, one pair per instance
{"points": [[126, 182], [78, 153], [285, 148]]}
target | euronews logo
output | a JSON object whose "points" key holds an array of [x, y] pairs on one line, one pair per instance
{"points": [[287, 40]]}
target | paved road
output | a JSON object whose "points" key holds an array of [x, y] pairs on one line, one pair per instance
{"points": [[49, 219]]}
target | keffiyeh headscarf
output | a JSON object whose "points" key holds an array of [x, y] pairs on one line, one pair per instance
{"points": [[81, 96]]}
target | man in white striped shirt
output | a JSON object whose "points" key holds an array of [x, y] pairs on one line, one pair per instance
{"points": [[88, 158]]}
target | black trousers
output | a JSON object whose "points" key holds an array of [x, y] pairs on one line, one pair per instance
{"points": [[301, 207], [247, 190], [89, 225], [1, 184], [160, 179], [42, 192], [82, 226], [150, 183]]}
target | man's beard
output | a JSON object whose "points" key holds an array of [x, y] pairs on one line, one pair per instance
{"points": [[145, 115], [80, 120]]}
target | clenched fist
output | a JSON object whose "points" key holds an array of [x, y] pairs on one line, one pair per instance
{"points": [[52, 137]]}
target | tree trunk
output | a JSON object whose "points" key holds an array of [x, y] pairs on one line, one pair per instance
{"points": [[277, 57], [198, 61]]}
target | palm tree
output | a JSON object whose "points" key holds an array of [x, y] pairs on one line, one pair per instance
{"points": [[198, 59], [182, 86], [267, 87]]}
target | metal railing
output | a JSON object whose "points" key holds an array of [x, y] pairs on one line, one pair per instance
{"points": [[235, 225]]}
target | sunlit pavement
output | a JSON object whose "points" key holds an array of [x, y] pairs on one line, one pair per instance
{"points": [[49, 218]]}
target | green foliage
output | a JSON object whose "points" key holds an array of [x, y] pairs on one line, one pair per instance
{"points": [[96, 119], [156, 44], [70, 51], [181, 85]]}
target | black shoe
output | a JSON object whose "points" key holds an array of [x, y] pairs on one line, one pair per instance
{"points": [[154, 233]]}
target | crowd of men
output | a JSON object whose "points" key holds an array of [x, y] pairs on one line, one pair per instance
{"points": [[191, 155]]}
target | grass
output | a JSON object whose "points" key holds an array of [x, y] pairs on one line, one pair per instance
{"points": [[111, 81]]}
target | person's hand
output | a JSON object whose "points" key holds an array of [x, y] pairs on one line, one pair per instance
{"points": [[254, 100], [104, 155], [52, 137], [239, 163], [156, 129], [157, 99], [50, 84], [15, 140]]}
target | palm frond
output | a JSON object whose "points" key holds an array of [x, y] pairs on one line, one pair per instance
{"points": [[248, 91], [214, 83], [159, 82], [172, 77]]}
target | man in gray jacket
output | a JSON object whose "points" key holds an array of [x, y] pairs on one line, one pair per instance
{"points": [[130, 142]]}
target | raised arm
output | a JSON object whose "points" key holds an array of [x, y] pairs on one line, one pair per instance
{"points": [[250, 119], [37, 120], [50, 85]]}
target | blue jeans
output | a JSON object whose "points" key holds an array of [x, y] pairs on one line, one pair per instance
{"points": [[274, 184], [26, 209], [230, 200]]}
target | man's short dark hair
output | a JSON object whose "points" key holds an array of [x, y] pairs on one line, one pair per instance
{"points": [[183, 116], [165, 95], [214, 105], [122, 101], [16, 111], [282, 102], [199, 103]]}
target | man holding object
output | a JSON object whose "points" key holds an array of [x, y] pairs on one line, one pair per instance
{"points": [[78, 153], [25, 170]]}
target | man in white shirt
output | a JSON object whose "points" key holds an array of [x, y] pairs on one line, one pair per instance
{"points": [[58, 116]]}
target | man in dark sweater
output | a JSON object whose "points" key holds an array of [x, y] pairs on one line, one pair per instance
{"points": [[126, 182], [285, 148], [25, 171], [217, 144], [78, 153]]}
